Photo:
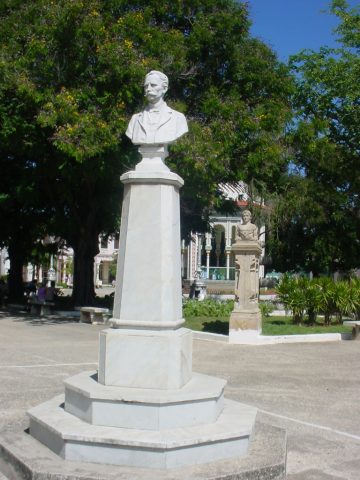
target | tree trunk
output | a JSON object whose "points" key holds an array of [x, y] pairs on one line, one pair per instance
{"points": [[85, 250], [15, 278]]}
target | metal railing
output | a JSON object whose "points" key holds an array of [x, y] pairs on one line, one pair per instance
{"points": [[217, 273]]}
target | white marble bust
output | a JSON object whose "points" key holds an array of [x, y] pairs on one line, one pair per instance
{"points": [[158, 124], [247, 230]]}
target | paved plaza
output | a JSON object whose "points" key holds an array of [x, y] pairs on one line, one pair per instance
{"points": [[311, 390]]}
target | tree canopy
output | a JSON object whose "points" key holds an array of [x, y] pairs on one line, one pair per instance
{"points": [[317, 222], [71, 77]]}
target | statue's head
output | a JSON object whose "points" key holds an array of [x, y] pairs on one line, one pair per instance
{"points": [[155, 86], [246, 216]]}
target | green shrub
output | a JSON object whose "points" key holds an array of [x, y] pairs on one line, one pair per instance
{"points": [[319, 296], [266, 308], [291, 292], [207, 308], [355, 289], [327, 304]]}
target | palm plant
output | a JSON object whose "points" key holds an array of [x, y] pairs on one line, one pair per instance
{"points": [[291, 293], [321, 295], [326, 298], [312, 292], [344, 300], [355, 289]]}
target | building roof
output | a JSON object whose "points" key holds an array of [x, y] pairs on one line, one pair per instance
{"points": [[234, 191]]}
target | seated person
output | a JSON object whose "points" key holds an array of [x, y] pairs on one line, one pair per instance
{"points": [[41, 293]]}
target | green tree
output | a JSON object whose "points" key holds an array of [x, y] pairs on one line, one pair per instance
{"points": [[317, 220], [78, 69]]}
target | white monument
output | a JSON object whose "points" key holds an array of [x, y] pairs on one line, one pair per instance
{"points": [[245, 319], [145, 407]]}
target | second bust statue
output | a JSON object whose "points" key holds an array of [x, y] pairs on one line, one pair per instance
{"points": [[158, 124], [247, 230]]}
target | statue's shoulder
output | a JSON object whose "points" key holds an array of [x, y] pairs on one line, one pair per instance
{"points": [[132, 124], [178, 114], [173, 112], [180, 120], [134, 119], [137, 115]]}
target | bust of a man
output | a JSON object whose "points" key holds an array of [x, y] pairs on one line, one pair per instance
{"points": [[247, 230], [157, 124]]}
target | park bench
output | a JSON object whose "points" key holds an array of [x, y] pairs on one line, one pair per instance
{"points": [[40, 308], [356, 326], [94, 315]]}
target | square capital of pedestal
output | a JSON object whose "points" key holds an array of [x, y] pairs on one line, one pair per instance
{"points": [[246, 246], [152, 177]]}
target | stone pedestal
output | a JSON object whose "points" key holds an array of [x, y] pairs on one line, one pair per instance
{"points": [[145, 358], [145, 407], [245, 319], [148, 279]]}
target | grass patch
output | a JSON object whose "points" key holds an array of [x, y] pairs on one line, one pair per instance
{"points": [[270, 326], [283, 326]]}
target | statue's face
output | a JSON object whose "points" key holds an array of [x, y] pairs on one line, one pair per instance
{"points": [[246, 217], [154, 88]]}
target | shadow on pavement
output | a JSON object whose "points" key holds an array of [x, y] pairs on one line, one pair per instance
{"points": [[23, 316], [218, 326]]}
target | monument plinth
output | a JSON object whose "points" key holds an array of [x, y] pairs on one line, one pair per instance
{"points": [[245, 319], [146, 348], [145, 407]]}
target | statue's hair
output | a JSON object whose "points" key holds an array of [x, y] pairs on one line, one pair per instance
{"points": [[161, 75]]}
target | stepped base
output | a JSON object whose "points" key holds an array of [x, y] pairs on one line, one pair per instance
{"points": [[23, 457], [76, 440], [199, 401]]}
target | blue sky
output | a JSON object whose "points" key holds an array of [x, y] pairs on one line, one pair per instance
{"points": [[288, 26]]}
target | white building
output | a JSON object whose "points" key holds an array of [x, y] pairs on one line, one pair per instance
{"points": [[106, 257], [4, 262], [211, 252], [63, 261]]}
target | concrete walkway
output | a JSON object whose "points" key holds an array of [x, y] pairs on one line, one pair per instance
{"points": [[311, 390]]}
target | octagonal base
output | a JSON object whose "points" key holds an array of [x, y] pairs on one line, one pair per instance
{"points": [[74, 439], [199, 401]]}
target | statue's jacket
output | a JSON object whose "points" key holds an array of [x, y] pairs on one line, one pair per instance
{"points": [[171, 125]]}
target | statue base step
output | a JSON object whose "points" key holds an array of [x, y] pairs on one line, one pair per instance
{"points": [[24, 457], [73, 439], [200, 401]]}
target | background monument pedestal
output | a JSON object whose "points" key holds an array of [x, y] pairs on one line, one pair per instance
{"points": [[245, 319]]}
